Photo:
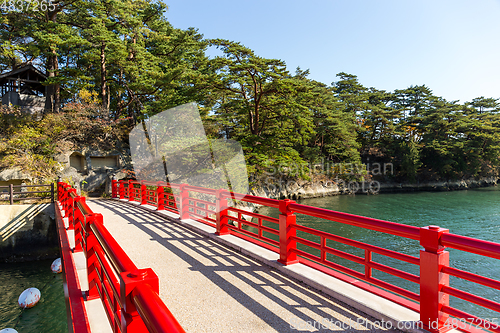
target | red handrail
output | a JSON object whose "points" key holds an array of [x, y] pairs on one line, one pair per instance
{"points": [[199, 189], [391, 228], [84, 208], [251, 198], [433, 260], [472, 277], [114, 252], [156, 316], [472, 245], [140, 287]]}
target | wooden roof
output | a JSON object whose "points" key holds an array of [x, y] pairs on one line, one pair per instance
{"points": [[28, 75]]}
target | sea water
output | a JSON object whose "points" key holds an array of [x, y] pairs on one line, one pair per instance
{"points": [[473, 213], [49, 315]]}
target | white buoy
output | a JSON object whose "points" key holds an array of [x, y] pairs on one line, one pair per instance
{"points": [[29, 298], [8, 330], [56, 266]]}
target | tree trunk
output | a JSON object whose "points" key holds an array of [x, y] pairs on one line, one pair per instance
{"points": [[57, 87], [254, 119], [49, 100], [132, 51], [53, 95], [109, 99], [104, 90]]}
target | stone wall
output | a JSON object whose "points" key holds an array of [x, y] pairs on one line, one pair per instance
{"points": [[91, 169], [27, 232]]}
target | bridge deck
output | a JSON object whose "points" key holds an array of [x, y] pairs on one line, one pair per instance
{"points": [[211, 288]]}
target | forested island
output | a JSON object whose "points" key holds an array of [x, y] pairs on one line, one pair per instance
{"points": [[112, 65]]}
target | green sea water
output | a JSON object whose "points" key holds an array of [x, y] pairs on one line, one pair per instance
{"points": [[49, 315], [473, 213]]}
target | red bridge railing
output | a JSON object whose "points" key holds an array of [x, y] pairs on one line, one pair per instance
{"points": [[129, 295], [283, 234]]}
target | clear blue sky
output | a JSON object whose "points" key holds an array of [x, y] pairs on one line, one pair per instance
{"points": [[452, 46]]}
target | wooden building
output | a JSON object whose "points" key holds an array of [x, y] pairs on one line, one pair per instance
{"points": [[23, 87]]}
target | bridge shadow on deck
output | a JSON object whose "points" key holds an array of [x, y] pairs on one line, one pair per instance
{"points": [[277, 300]]}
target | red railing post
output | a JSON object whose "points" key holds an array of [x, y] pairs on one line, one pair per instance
{"points": [[286, 222], [130, 320], [114, 188], [160, 197], [70, 213], [130, 190], [143, 194], [78, 218], [432, 260], [93, 266], [122, 188], [221, 214], [368, 259], [59, 189], [61, 194], [62, 198], [184, 198], [67, 198]]}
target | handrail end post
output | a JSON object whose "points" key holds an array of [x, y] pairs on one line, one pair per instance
{"points": [[287, 220], [59, 188], [432, 260], [130, 319]]}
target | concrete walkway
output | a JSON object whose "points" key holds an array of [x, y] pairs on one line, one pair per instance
{"points": [[212, 288]]}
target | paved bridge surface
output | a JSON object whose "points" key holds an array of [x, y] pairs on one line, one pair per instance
{"points": [[212, 288]]}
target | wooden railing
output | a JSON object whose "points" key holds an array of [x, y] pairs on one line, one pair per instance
{"points": [[21, 195]]}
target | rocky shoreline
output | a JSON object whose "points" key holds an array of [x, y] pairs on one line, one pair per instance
{"points": [[440, 185], [299, 189]]}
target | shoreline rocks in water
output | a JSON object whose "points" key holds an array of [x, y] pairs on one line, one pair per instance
{"points": [[440, 185], [300, 189]]}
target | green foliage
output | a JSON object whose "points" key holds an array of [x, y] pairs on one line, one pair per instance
{"points": [[410, 160], [31, 143]]}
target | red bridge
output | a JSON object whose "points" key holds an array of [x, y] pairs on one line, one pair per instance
{"points": [[221, 268]]}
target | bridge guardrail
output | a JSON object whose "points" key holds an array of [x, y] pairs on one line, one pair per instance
{"points": [[129, 295], [283, 234]]}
